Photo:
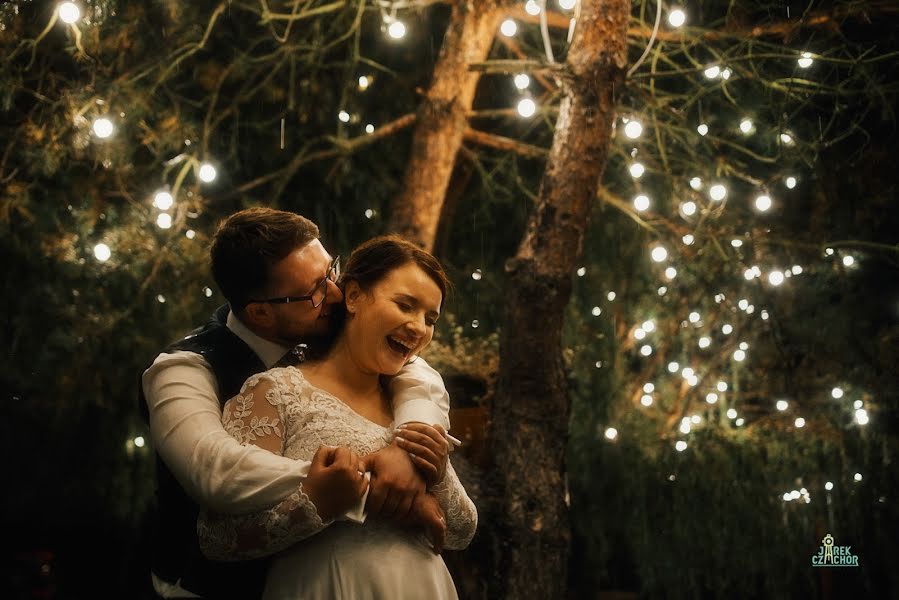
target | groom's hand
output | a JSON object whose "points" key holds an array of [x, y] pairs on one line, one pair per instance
{"points": [[395, 482]]}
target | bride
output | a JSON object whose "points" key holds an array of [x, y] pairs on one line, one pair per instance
{"points": [[333, 411]]}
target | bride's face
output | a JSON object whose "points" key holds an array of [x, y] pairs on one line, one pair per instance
{"points": [[394, 320]]}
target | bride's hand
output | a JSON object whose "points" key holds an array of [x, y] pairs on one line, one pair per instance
{"points": [[428, 448], [426, 512], [336, 481]]}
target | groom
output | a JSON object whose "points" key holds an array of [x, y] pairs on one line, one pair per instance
{"points": [[280, 284]]}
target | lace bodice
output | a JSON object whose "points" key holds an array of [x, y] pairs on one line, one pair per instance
{"points": [[304, 418]]}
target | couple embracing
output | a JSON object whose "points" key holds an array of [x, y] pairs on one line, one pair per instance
{"points": [[302, 443]]}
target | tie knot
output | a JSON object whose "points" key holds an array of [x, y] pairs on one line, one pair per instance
{"points": [[294, 356]]}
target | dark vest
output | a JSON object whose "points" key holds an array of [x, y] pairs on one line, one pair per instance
{"points": [[175, 547]]}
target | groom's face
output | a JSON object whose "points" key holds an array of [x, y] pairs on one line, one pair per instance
{"points": [[298, 274]]}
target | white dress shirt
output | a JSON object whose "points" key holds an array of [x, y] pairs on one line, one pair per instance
{"points": [[214, 468]]}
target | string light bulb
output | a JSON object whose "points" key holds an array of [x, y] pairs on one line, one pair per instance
{"points": [[712, 72], [746, 126], [636, 170], [527, 107], [805, 60], [782, 405], [397, 30], [680, 446], [717, 192], [790, 182], [633, 129], [611, 433], [102, 252], [532, 7], [207, 173], [837, 393], [677, 17], [799, 422], [702, 129], [775, 278], [102, 127], [567, 4], [68, 12], [508, 28], [163, 200], [522, 81], [659, 254], [364, 82], [641, 202], [763, 203], [164, 220]]}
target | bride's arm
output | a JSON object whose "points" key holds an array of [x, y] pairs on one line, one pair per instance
{"points": [[461, 513], [255, 416]]}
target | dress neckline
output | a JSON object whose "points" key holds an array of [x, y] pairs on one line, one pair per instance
{"points": [[387, 427]]}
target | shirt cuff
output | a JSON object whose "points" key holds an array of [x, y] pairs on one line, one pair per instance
{"points": [[421, 411], [357, 513]]}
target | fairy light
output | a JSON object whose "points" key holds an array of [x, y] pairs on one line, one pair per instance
{"points": [[739, 422], [636, 170], [649, 326], [596, 311], [828, 251], [397, 30], [611, 433], [646, 400], [685, 426], [68, 12], [764, 315], [611, 296], [688, 208], [207, 292], [721, 386], [677, 17], [786, 139], [775, 278], [567, 4], [702, 129], [711, 398], [522, 81], [633, 129], [364, 82], [508, 28], [749, 274], [639, 333], [805, 60], [190, 234], [102, 252], [727, 329], [799, 422], [102, 128], [717, 192], [687, 372], [646, 350], [649, 387], [680, 446], [828, 486], [731, 413], [763, 203], [848, 261], [369, 128], [343, 116], [670, 273], [659, 254], [712, 72], [164, 220], [705, 342], [160, 298], [695, 419], [796, 269], [694, 317], [163, 200], [726, 73], [532, 7], [743, 303], [688, 239], [739, 355], [673, 367], [527, 107], [782, 405], [207, 173], [790, 182], [477, 275], [736, 243], [857, 477], [662, 290], [475, 324], [746, 126], [641, 202], [696, 183], [861, 416]]}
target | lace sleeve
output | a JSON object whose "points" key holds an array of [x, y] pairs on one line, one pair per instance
{"points": [[460, 511], [256, 416]]}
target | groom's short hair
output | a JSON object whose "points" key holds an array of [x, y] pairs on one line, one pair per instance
{"points": [[248, 243]]}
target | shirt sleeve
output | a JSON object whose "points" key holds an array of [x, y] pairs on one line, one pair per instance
{"points": [[419, 395], [213, 467]]}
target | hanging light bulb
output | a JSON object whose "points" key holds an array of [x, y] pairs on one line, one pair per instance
{"points": [[673, 367], [369, 128], [207, 173], [641, 202], [805, 60], [343, 116], [670, 272], [763, 203], [837, 393], [702, 129], [659, 254], [704, 342], [164, 220], [636, 170], [688, 239], [532, 7], [722, 386], [508, 28], [746, 126], [364, 82], [799, 422], [567, 4], [611, 433], [522, 81], [775, 278], [790, 182], [717, 192], [712, 72], [696, 183], [646, 400], [731, 413], [163, 200], [782, 405], [680, 446], [711, 398]]}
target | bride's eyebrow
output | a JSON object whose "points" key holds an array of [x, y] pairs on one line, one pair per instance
{"points": [[416, 302]]}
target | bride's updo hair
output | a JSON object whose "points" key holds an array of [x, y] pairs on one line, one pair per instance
{"points": [[373, 260]]}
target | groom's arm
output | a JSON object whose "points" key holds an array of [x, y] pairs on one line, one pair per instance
{"points": [[419, 395], [213, 467]]}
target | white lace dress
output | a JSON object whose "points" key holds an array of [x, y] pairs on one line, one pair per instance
{"points": [[342, 559]]}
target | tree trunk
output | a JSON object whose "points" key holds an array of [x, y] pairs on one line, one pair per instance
{"points": [[442, 120], [531, 409]]}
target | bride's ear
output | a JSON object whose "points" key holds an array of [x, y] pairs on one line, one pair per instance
{"points": [[351, 296]]}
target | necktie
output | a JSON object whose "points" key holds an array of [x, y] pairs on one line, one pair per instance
{"points": [[294, 356]]}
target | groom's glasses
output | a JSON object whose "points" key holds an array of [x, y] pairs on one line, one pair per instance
{"points": [[318, 295]]}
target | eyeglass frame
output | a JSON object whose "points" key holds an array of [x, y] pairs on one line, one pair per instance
{"points": [[334, 268]]}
